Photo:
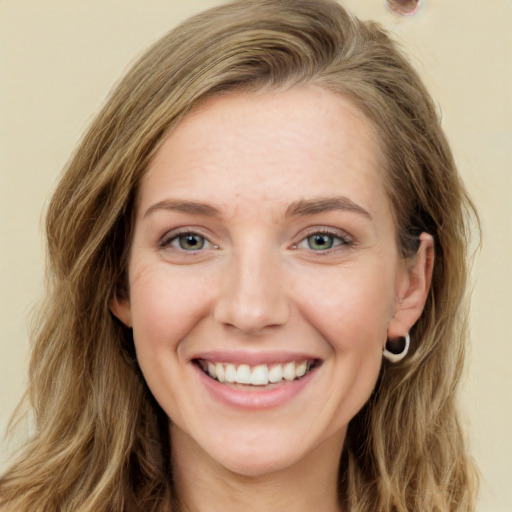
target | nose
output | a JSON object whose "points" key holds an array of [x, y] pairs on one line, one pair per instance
{"points": [[252, 295]]}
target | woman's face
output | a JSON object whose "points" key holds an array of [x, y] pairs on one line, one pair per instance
{"points": [[264, 277]]}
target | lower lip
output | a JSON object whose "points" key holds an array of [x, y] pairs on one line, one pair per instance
{"points": [[255, 398]]}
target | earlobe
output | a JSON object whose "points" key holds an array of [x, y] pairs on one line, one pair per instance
{"points": [[413, 289], [121, 309]]}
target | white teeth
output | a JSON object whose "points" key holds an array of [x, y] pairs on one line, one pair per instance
{"points": [[289, 371], [301, 369], [276, 373], [211, 370], [230, 374], [260, 375], [243, 374], [219, 370]]}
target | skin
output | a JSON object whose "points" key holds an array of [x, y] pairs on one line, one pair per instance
{"points": [[267, 166]]}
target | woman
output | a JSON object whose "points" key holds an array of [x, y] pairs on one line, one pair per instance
{"points": [[257, 261]]}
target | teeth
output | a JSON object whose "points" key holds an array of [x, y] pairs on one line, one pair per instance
{"points": [[230, 373], [259, 375], [211, 370], [301, 369], [219, 370], [243, 374], [276, 373], [289, 371]]}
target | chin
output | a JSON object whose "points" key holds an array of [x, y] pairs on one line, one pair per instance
{"points": [[258, 465]]}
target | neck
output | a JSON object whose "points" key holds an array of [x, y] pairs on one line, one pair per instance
{"points": [[204, 485]]}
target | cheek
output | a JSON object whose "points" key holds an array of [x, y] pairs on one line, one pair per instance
{"points": [[349, 307], [165, 306], [355, 328]]}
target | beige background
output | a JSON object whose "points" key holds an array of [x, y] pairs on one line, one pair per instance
{"points": [[58, 59]]}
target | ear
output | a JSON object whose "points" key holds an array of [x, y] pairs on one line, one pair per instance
{"points": [[413, 287], [120, 308]]}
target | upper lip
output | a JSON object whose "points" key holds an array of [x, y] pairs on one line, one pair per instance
{"points": [[254, 358]]}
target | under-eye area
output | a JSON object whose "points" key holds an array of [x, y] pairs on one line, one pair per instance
{"points": [[257, 375]]}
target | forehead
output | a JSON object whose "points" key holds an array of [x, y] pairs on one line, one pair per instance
{"points": [[270, 148]]}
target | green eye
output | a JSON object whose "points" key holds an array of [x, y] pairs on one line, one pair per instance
{"points": [[320, 241], [323, 241], [190, 242]]}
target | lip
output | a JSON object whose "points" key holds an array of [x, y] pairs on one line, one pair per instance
{"points": [[254, 358], [254, 398]]}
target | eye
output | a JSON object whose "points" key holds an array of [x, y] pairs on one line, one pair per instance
{"points": [[323, 241], [187, 242]]}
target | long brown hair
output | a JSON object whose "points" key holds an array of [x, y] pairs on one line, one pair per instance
{"points": [[101, 441]]}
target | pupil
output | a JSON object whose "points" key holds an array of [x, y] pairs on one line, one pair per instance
{"points": [[320, 241], [191, 242]]}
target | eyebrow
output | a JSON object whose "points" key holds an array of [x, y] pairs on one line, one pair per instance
{"points": [[297, 208], [324, 204], [194, 207]]}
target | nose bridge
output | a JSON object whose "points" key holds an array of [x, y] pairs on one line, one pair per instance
{"points": [[253, 294]]}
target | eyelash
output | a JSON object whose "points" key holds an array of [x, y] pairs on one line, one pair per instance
{"points": [[338, 241]]}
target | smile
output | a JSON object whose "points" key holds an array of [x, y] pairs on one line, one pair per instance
{"points": [[259, 375]]}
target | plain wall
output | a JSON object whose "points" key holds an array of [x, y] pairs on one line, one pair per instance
{"points": [[58, 60]]}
